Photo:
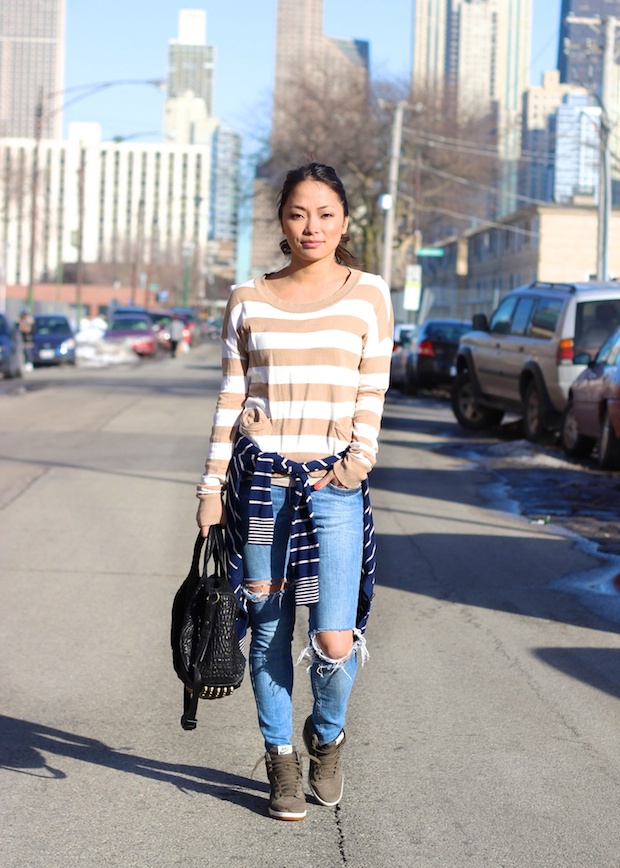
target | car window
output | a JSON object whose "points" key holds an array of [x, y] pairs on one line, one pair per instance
{"points": [[522, 315], [128, 323], [446, 331], [500, 321], [53, 325], [545, 317], [610, 351], [594, 323]]}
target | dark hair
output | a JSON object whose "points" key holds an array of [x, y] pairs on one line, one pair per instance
{"points": [[325, 175]]}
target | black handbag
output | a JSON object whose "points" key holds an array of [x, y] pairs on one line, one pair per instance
{"points": [[205, 649]]}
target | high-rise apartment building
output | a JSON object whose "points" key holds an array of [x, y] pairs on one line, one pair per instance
{"points": [[538, 140], [31, 66], [326, 66], [580, 61], [474, 56], [429, 49]]}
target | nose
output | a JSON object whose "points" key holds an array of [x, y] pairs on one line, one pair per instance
{"points": [[312, 225]]}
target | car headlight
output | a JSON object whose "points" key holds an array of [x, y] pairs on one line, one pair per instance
{"points": [[67, 345]]}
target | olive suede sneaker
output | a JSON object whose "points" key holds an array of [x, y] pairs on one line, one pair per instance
{"points": [[286, 796], [325, 776]]}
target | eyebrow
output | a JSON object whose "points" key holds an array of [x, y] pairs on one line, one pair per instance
{"points": [[301, 207]]}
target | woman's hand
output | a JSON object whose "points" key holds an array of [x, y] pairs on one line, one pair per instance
{"points": [[330, 476]]}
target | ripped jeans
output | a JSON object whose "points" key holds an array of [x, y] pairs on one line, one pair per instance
{"points": [[339, 516]]}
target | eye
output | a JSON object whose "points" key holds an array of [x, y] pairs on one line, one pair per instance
{"points": [[326, 214]]}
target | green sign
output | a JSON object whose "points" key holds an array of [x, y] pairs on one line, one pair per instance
{"points": [[429, 251]]}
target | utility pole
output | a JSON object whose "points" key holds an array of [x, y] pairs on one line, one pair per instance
{"points": [[609, 41], [79, 273], [604, 185], [38, 131], [389, 201]]}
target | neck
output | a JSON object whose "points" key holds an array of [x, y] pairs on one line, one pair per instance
{"points": [[313, 272]]}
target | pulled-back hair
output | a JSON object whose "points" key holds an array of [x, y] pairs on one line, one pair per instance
{"points": [[325, 175]]}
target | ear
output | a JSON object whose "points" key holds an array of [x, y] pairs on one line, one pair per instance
{"points": [[345, 224]]}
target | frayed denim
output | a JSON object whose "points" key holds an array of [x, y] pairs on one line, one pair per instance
{"points": [[339, 522]]}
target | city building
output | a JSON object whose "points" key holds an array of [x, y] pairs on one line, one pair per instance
{"points": [[553, 243], [475, 57], [538, 138], [304, 57], [579, 47], [151, 208], [32, 52], [429, 50], [577, 150], [191, 61]]}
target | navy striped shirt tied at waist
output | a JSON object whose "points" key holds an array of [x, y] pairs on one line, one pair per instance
{"points": [[303, 567]]}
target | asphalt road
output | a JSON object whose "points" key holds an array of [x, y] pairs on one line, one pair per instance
{"points": [[482, 732]]}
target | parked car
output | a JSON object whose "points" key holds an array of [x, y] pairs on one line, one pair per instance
{"points": [[11, 349], [526, 358], [403, 336], [592, 415], [135, 330], [430, 359], [53, 341]]}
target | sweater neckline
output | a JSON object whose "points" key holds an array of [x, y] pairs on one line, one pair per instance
{"points": [[350, 283]]}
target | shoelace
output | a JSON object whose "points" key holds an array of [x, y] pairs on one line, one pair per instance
{"points": [[328, 760], [287, 769]]}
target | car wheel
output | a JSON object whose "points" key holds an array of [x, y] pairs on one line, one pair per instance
{"points": [[469, 414], [608, 446], [574, 444], [533, 427]]}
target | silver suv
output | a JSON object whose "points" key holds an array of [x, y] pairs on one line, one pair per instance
{"points": [[524, 359]]}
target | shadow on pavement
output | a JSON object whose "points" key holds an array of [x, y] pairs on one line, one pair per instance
{"points": [[479, 570], [593, 666], [23, 744]]}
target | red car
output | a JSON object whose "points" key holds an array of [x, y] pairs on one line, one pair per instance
{"points": [[135, 330], [592, 416]]}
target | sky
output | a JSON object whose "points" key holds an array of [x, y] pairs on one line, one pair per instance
{"points": [[121, 40]]}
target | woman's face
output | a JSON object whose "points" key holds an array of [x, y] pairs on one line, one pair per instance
{"points": [[313, 221]]}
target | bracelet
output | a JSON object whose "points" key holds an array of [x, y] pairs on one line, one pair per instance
{"points": [[211, 480], [201, 490]]}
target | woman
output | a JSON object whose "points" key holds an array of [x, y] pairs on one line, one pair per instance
{"points": [[306, 359]]}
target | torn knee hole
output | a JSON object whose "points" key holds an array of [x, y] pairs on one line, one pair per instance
{"points": [[261, 589]]}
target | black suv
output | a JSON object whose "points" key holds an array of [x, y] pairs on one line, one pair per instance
{"points": [[523, 359]]}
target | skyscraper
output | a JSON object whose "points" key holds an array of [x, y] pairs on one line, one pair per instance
{"points": [[190, 59], [31, 66], [582, 64], [474, 56], [429, 49], [307, 62]]}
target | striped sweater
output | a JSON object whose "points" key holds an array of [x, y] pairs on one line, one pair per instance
{"points": [[305, 380]]}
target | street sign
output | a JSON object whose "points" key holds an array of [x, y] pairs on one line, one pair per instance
{"points": [[413, 287], [429, 251]]}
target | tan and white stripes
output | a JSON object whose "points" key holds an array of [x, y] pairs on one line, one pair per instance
{"points": [[305, 381]]}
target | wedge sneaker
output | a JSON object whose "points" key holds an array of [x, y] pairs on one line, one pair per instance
{"points": [[325, 776], [285, 773]]}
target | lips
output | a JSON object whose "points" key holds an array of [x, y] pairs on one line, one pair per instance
{"points": [[311, 244]]}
